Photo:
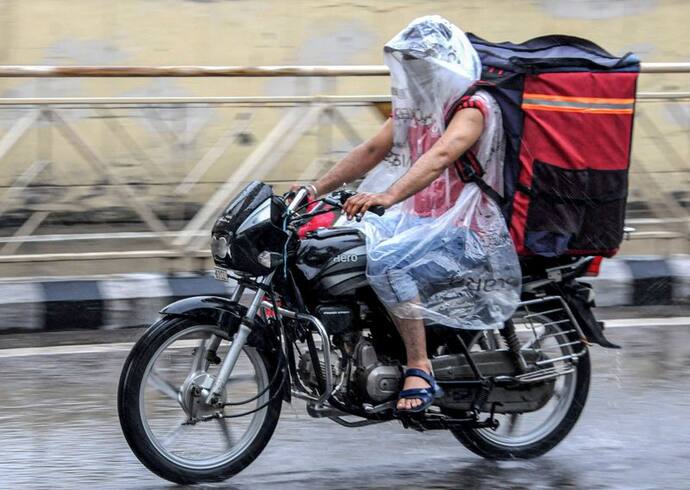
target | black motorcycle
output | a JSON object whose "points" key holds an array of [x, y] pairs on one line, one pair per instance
{"points": [[201, 391]]}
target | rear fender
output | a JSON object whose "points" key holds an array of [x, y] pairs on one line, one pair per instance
{"points": [[580, 299]]}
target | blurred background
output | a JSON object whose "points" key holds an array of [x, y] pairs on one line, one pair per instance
{"points": [[109, 187], [131, 176]]}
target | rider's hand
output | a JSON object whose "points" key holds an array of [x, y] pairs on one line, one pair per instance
{"points": [[361, 202]]}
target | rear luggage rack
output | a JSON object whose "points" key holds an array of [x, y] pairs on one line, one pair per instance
{"points": [[544, 374], [566, 349]]}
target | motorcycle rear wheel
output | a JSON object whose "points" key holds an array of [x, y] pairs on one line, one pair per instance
{"points": [[139, 428], [484, 443]]}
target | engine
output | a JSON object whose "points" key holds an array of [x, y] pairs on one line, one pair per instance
{"points": [[375, 381], [307, 373], [366, 379], [361, 376]]}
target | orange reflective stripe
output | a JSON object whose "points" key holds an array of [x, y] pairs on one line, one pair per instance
{"points": [[593, 100], [586, 110]]}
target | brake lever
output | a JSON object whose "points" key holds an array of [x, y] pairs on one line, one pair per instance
{"points": [[344, 195], [377, 210], [332, 202]]}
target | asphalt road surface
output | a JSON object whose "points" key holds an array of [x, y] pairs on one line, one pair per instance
{"points": [[59, 429]]}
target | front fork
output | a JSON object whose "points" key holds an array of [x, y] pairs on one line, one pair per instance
{"points": [[238, 340]]}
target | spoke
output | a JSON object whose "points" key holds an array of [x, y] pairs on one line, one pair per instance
{"points": [[174, 434], [227, 434], [537, 337], [163, 386], [514, 419], [242, 377]]}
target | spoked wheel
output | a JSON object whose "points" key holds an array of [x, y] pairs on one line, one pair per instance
{"points": [[528, 435], [162, 407]]}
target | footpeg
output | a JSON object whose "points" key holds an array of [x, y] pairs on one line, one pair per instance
{"points": [[373, 409], [323, 411]]}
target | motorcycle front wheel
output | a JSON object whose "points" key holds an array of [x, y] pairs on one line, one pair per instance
{"points": [[162, 408]]}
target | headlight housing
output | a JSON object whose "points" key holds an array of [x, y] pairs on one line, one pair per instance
{"points": [[248, 237]]}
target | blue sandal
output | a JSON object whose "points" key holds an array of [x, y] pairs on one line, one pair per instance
{"points": [[427, 395]]}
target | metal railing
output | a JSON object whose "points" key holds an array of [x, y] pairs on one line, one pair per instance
{"points": [[188, 237], [33, 71]]}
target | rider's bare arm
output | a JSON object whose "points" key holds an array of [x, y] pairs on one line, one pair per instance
{"points": [[463, 132], [358, 161]]}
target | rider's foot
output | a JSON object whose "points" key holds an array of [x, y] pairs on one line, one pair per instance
{"points": [[413, 382]]}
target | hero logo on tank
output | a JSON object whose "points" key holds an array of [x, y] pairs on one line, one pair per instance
{"points": [[345, 258]]}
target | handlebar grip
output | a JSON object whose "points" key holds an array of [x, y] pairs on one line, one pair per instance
{"points": [[378, 209], [297, 200]]}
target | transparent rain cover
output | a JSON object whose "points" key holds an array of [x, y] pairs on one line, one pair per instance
{"points": [[444, 254]]}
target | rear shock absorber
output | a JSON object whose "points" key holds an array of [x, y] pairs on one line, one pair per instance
{"points": [[513, 343]]}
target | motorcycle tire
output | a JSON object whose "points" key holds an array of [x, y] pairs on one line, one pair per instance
{"points": [[473, 439], [132, 423]]}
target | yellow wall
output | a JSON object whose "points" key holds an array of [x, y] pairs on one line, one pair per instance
{"points": [[273, 32], [249, 32]]}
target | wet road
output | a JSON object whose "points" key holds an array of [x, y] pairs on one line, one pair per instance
{"points": [[59, 429]]}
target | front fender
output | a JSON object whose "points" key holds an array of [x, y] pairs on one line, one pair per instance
{"points": [[226, 314], [211, 310]]}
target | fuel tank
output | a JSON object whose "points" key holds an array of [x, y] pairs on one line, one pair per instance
{"points": [[333, 261]]}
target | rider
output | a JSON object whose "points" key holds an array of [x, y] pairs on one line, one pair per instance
{"points": [[429, 236]]}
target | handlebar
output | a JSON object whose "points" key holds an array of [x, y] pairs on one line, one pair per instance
{"points": [[297, 200], [336, 199], [344, 195]]}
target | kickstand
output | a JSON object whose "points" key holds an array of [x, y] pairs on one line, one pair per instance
{"points": [[491, 421], [479, 401], [482, 395]]}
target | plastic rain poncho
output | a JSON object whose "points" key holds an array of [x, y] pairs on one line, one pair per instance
{"points": [[444, 254]]}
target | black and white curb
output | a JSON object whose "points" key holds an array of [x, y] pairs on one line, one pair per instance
{"points": [[106, 302], [110, 302], [642, 281]]}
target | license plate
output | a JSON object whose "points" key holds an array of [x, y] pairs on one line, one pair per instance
{"points": [[220, 274]]}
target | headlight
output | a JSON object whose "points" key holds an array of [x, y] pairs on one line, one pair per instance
{"points": [[219, 247]]}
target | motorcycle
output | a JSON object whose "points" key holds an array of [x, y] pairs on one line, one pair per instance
{"points": [[201, 391]]}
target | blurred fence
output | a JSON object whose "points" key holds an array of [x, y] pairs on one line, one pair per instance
{"points": [[82, 186]]}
